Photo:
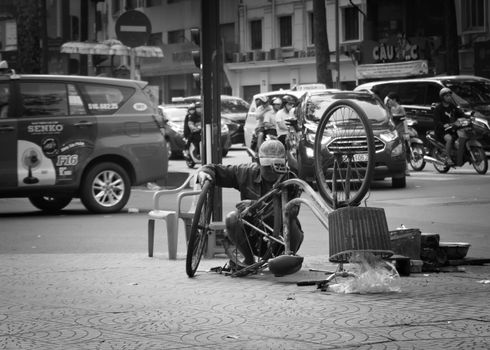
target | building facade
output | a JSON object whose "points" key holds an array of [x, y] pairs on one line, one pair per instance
{"points": [[270, 44]]}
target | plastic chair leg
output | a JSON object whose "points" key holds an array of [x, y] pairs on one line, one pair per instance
{"points": [[172, 235], [151, 236]]}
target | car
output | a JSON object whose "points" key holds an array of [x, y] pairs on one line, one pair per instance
{"points": [[233, 113], [419, 96], [66, 137], [173, 125], [390, 159]]}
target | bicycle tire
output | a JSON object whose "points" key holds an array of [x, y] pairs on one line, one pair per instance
{"points": [[336, 150], [199, 229]]}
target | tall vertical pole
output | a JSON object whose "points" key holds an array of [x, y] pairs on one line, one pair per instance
{"points": [[337, 43], [211, 79]]}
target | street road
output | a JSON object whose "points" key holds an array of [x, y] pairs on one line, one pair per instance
{"points": [[455, 205]]}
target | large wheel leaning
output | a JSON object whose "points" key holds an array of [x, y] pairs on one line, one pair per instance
{"points": [[344, 154], [199, 229]]}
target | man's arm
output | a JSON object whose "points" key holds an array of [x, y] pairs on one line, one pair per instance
{"points": [[223, 175]]}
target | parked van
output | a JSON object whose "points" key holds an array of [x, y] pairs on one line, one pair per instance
{"points": [[64, 136]]}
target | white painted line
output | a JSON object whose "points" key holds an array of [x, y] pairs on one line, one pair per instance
{"points": [[141, 29]]}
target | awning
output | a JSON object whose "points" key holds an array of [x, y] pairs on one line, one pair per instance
{"points": [[392, 70]]}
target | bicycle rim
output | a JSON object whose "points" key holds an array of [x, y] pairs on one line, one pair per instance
{"points": [[344, 154], [199, 229]]}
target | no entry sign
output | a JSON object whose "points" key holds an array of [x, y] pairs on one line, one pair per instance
{"points": [[133, 28]]}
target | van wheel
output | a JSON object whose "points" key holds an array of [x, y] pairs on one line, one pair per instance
{"points": [[105, 188], [50, 204], [399, 182]]}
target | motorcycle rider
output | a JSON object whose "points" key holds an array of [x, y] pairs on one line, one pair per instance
{"points": [[192, 127], [263, 115], [253, 181], [287, 112], [446, 113]]}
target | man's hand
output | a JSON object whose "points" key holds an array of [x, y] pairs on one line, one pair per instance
{"points": [[203, 176], [242, 205]]}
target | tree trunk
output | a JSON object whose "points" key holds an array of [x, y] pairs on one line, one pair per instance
{"points": [[450, 31], [322, 50], [29, 33]]}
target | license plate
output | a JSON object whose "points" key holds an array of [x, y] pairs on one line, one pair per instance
{"points": [[362, 157]]}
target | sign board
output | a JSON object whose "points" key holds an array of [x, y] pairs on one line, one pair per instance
{"points": [[133, 28], [392, 70]]}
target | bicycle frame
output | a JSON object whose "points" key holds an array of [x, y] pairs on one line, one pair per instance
{"points": [[316, 204]]}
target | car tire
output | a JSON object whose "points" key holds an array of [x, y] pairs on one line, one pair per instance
{"points": [[399, 182], [105, 188], [50, 204]]}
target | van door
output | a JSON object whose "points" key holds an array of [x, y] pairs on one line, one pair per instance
{"points": [[56, 135], [8, 138]]}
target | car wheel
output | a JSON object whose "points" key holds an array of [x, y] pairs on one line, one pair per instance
{"points": [[50, 204], [399, 182], [105, 188]]}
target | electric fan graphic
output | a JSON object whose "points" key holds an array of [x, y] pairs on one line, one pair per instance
{"points": [[31, 159]]}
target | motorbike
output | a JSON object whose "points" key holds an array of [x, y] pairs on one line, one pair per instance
{"points": [[472, 149], [414, 147], [192, 155]]}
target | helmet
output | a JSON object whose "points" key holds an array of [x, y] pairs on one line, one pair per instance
{"points": [[445, 91], [288, 99], [262, 98], [276, 101], [272, 153]]}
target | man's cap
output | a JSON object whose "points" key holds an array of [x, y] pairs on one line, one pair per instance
{"points": [[272, 152]]}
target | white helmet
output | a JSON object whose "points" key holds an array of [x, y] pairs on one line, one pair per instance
{"points": [[444, 91]]}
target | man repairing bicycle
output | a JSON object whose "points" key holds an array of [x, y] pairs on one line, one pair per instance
{"points": [[253, 181]]}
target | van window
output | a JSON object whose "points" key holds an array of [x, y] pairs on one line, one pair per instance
{"points": [[44, 99], [105, 99], [75, 101], [412, 93]]}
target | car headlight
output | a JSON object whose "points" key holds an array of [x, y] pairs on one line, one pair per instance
{"points": [[224, 129], [388, 136]]}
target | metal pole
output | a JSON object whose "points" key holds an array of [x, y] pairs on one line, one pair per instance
{"points": [[337, 44], [210, 94]]}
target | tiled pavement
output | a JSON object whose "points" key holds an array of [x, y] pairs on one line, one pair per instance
{"points": [[130, 301]]}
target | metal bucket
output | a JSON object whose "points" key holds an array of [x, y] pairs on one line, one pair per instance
{"points": [[354, 230]]}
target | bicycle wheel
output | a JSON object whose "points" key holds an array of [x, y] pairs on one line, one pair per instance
{"points": [[199, 229], [344, 154]]}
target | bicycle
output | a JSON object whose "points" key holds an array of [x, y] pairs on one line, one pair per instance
{"points": [[338, 166], [344, 154]]}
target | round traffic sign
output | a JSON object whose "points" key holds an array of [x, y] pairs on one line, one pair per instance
{"points": [[133, 28]]}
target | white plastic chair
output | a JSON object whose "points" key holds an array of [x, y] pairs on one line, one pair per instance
{"points": [[171, 217]]}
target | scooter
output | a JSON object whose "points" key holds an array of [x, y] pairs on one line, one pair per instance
{"points": [[414, 146], [473, 152], [192, 155]]}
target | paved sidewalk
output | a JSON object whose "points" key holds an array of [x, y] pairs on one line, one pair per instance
{"points": [[130, 301]]}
